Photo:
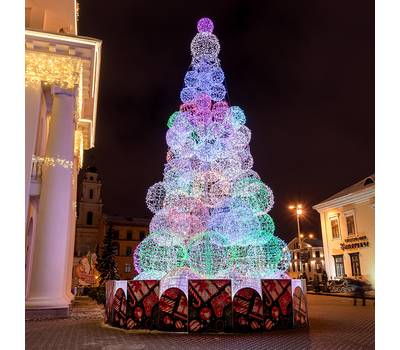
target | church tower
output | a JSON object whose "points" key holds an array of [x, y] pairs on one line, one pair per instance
{"points": [[90, 207]]}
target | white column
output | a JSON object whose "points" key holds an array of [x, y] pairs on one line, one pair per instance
{"points": [[33, 94], [50, 255]]}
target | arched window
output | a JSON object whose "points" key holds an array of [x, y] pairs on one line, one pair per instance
{"points": [[89, 218], [91, 194], [115, 248]]}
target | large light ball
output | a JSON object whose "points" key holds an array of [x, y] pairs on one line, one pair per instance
{"points": [[255, 193], [207, 254], [160, 252], [205, 45], [155, 197], [205, 25]]}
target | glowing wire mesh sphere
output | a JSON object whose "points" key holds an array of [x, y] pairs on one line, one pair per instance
{"points": [[186, 217], [229, 167], [210, 187], [205, 46], [249, 260], [188, 94], [238, 116], [207, 253], [217, 75], [191, 78], [205, 25], [155, 197], [160, 252], [218, 92], [266, 222], [234, 220], [171, 119], [255, 193]]}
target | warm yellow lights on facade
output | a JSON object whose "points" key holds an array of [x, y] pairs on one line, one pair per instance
{"points": [[63, 71], [53, 161]]}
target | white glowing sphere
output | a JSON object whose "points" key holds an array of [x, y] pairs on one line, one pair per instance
{"points": [[205, 45], [155, 197]]}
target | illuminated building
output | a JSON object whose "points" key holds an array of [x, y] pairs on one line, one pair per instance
{"points": [[61, 90], [348, 231], [313, 262], [90, 209], [128, 232]]}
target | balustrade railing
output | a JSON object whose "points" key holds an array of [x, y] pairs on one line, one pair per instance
{"points": [[37, 163]]}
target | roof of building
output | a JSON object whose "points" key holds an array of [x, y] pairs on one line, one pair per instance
{"points": [[126, 220], [359, 186], [313, 242]]}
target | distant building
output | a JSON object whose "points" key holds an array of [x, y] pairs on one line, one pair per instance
{"points": [[61, 91], [128, 233], [90, 210], [348, 231], [313, 262]]}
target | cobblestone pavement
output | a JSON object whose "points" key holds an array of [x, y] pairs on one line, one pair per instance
{"points": [[334, 324]]}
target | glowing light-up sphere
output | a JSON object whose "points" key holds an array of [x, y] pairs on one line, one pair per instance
{"points": [[255, 193], [229, 167], [218, 92], [217, 75], [241, 137], [234, 222], [205, 46], [210, 187], [203, 102], [249, 260], [238, 116], [246, 159], [284, 263], [188, 94], [187, 216], [205, 25], [176, 140], [160, 252], [267, 224], [220, 111], [191, 78], [207, 253], [155, 197], [171, 119]]}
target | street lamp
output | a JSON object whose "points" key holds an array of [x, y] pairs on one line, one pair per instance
{"points": [[299, 212]]}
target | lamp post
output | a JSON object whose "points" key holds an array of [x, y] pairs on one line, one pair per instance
{"points": [[299, 212]]}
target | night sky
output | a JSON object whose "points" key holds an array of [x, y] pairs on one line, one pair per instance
{"points": [[303, 72]]}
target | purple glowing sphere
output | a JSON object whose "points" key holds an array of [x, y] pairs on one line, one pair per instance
{"points": [[205, 25]]}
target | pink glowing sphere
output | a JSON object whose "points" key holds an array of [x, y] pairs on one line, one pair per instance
{"points": [[205, 25]]}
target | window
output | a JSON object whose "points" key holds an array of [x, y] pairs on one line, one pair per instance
{"points": [[309, 267], [129, 235], [351, 227], [89, 218], [128, 251], [317, 254], [294, 266], [355, 264], [128, 267], [335, 227], [115, 248], [91, 194], [116, 234], [339, 265], [142, 234], [318, 268]]}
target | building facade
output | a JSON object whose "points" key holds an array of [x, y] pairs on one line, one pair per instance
{"points": [[61, 90], [90, 210], [127, 234], [348, 231], [309, 260]]}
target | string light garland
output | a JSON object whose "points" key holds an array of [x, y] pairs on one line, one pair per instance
{"points": [[211, 208]]}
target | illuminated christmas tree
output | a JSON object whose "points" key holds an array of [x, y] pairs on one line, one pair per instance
{"points": [[211, 209]]}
